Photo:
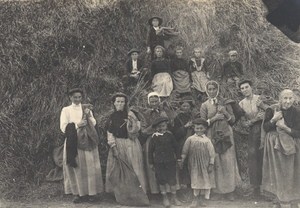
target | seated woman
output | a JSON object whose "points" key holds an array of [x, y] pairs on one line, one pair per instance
{"points": [[281, 159], [180, 73], [123, 141], [220, 116], [81, 162], [160, 70]]}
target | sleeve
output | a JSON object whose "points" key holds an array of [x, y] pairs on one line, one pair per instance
{"points": [[92, 119], [268, 126], [186, 148], [203, 111], [151, 150], [128, 68], [152, 67], [230, 111], [111, 140], [175, 146], [63, 120], [179, 130], [211, 151], [295, 131], [241, 71], [148, 40]]}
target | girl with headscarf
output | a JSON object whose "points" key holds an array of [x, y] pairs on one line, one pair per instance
{"points": [[160, 70], [281, 159], [220, 116], [81, 163], [153, 112], [122, 135]]}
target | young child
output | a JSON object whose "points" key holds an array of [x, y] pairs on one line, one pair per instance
{"points": [[200, 152], [232, 69], [163, 153], [180, 72], [199, 73], [153, 39]]}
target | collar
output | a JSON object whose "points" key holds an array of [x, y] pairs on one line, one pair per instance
{"points": [[157, 110], [200, 135], [157, 134], [76, 106], [213, 101], [156, 28]]}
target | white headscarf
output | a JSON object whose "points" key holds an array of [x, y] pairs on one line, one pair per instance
{"points": [[212, 99], [152, 94]]}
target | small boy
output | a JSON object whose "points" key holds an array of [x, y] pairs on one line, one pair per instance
{"points": [[163, 152], [232, 69]]}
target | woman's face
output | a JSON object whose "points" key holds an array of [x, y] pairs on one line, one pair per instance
{"points": [[134, 56], [158, 52], [197, 53], [246, 89], [212, 90], [119, 103], [154, 102], [155, 22], [162, 127], [76, 98], [199, 129], [287, 99], [179, 53], [185, 107]]}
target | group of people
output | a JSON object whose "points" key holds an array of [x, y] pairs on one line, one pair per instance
{"points": [[154, 151]]}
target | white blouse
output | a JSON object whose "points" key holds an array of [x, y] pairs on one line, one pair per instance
{"points": [[73, 114]]}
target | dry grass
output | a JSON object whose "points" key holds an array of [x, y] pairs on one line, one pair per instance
{"points": [[50, 46]]}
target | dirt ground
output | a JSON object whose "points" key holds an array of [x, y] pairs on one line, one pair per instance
{"points": [[67, 203]]}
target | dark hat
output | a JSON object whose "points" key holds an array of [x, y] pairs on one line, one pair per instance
{"points": [[119, 94], [187, 99], [245, 81], [155, 17], [74, 90], [158, 121], [199, 121], [133, 50]]}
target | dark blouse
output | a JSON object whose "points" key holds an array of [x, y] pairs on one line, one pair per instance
{"points": [[160, 66], [163, 148], [117, 124], [232, 69], [153, 39], [291, 117], [179, 64], [198, 61]]}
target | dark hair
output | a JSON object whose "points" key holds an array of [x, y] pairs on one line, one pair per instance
{"points": [[75, 90], [244, 82], [119, 94]]}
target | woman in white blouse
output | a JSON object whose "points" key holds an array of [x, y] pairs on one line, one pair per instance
{"points": [[82, 176]]}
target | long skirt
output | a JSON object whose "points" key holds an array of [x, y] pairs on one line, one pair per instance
{"points": [[131, 152], [281, 173], [226, 170], [152, 182], [255, 155], [86, 179], [199, 80], [162, 84], [181, 80]]}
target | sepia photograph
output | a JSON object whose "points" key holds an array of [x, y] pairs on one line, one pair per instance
{"points": [[150, 103]]}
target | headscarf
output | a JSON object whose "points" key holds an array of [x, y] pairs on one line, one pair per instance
{"points": [[153, 94], [233, 52], [216, 84]]}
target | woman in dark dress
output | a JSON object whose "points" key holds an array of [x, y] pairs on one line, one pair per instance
{"points": [[281, 160], [153, 38]]}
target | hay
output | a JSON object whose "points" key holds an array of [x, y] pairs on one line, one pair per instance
{"points": [[50, 46]]}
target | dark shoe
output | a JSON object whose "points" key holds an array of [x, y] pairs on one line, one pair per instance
{"points": [[195, 202], [80, 199], [166, 201], [175, 201], [92, 199], [230, 196]]}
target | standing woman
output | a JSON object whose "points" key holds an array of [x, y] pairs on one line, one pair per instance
{"points": [[81, 164], [220, 117], [123, 140], [160, 70], [281, 159], [153, 38]]}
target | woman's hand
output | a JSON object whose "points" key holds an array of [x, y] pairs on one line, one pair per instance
{"points": [[281, 124], [210, 168], [277, 116], [217, 117], [151, 166], [188, 124], [82, 123], [148, 50]]}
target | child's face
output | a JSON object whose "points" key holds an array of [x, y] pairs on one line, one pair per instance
{"points": [[155, 22], [154, 102], [159, 52], [179, 53], [134, 55], [162, 127], [185, 107], [199, 129], [233, 57], [197, 53]]}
